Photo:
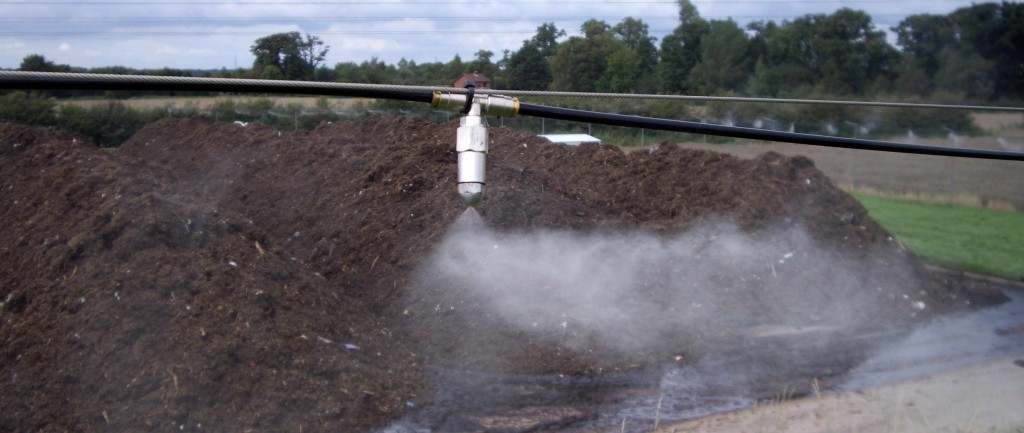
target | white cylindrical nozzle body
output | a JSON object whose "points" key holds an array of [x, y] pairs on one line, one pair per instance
{"points": [[471, 144]]}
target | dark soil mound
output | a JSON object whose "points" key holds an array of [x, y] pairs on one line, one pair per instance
{"points": [[134, 306], [235, 278]]}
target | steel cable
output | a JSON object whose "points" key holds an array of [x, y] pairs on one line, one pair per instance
{"points": [[364, 90]]}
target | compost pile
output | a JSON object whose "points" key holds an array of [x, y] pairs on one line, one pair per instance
{"points": [[218, 277]]}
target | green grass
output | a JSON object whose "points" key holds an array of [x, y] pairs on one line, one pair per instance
{"points": [[978, 240]]}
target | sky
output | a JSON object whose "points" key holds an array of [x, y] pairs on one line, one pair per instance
{"points": [[211, 34]]}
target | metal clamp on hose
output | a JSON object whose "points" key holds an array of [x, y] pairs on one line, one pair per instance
{"points": [[490, 105]]}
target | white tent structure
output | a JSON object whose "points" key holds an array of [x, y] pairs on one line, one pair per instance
{"points": [[572, 139]]}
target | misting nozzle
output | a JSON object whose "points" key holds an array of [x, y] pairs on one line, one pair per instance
{"points": [[471, 193], [471, 144], [471, 138]]}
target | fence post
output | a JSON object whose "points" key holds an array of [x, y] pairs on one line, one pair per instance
{"points": [[856, 154], [952, 168]]}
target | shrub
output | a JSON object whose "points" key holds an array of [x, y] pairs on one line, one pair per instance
{"points": [[107, 124], [28, 108]]}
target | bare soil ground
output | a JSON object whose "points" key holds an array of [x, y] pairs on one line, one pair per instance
{"points": [[207, 276]]}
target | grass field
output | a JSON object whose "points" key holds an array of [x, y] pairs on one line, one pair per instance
{"points": [[978, 240]]}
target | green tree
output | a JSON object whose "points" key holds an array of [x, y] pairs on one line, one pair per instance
{"points": [[1008, 44], [528, 68], [375, 71], [623, 71], [271, 50], [406, 72], [849, 53], [580, 62], [482, 64], [272, 72], [546, 39], [38, 63], [455, 69], [348, 72], [324, 73], [966, 73], [312, 52], [975, 51], [680, 50], [634, 33], [911, 77], [724, 64], [923, 37], [837, 54], [288, 55]]}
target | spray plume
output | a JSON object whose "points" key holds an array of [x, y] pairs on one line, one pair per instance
{"points": [[629, 291]]}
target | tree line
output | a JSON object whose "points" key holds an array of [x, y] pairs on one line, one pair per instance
{"points": [[973, 53]]}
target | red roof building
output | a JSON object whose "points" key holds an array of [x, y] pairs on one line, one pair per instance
{"points": [[482, 82]]}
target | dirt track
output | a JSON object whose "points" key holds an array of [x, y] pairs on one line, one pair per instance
{"points": [[980, 398], [240, 278]]}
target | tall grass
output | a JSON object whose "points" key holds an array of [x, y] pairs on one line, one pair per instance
{"points": [[978, 240], [111, 123]]}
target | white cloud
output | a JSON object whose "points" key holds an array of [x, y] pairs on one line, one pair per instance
{"points": [[219, 34], [367, 45], [12, 45]]}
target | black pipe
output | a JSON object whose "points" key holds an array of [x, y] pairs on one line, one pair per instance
{"points": [[54, 81], [32, 83], [756, 134]]}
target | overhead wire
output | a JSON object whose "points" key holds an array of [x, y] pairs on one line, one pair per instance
{"points": [[53, 80], [378, 18], [124, 33], [407, 2]]}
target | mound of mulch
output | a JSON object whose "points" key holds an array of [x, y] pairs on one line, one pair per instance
{"points": [[207, 276]]}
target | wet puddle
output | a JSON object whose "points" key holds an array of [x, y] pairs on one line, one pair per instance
{"points": [[772, 362]]}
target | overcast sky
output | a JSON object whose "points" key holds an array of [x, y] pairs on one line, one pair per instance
{"points": [[208, 34]]}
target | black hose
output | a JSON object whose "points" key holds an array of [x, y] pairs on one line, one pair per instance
{"points": [[45, 81], [757, 134], [32, 83]]}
